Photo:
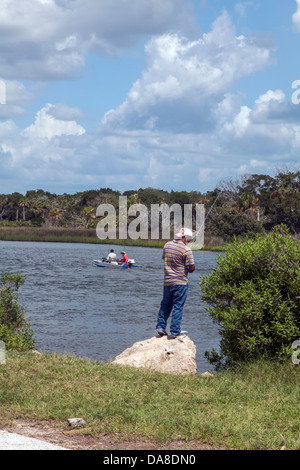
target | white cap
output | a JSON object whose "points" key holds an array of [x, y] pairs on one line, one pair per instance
{"points": [[184, 232]]}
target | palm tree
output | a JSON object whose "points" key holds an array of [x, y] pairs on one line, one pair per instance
{"points": [[24, 203], [88, 214], [54, 214]]}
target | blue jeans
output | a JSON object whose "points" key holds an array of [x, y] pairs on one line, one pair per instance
{"points": [[174, 298]]}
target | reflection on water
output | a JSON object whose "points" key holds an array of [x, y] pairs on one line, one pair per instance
{"points": [[97, 313]]}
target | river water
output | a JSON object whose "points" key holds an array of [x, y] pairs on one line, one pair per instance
{"points": [[96, 313]]}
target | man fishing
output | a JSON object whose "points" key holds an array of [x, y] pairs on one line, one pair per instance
{"points": [[178, 262], [124, 259], [111, 256]]}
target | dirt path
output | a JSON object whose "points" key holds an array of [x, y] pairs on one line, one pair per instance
{"points": [[74, 439]]}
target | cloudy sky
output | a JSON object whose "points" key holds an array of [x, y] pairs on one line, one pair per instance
{"points": [[126, 94]]}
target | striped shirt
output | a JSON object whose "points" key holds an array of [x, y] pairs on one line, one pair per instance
{"points": [[177, 257]]}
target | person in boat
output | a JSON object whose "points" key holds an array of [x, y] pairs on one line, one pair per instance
{"points": [[178, 262], [123, 260], [111, 256]]}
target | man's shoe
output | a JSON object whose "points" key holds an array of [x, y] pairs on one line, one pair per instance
{"points": [[183, 332], [162, 332]]}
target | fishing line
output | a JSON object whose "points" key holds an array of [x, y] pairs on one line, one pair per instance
{"points": [[193, 244]]}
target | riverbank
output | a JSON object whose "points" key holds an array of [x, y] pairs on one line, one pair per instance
{"points": [[78, 235], [255, 407]]}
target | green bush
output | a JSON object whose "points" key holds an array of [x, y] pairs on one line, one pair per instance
{"points": [[254, 296], [14, 327]]}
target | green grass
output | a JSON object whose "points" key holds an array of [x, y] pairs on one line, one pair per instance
{"points": [[68, 235], [255, 407], [65, 235]]}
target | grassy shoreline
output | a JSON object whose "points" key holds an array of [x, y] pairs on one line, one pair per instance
{"points": [[68, 235], [253, 408]]}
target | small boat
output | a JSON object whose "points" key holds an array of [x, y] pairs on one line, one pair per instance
{"points": [[104, 263]]}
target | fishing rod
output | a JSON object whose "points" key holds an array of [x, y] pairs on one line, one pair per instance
{"points": [[193, 244]]}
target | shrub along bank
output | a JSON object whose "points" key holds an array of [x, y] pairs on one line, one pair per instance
{"points": [[253, 294]]}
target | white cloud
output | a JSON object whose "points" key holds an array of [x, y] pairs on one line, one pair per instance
{"points": [[243, 120], [240, 122], [48, 39], [185, 80], [14, 98], [8, 128], [46, 126], [64, 112], [181, 125], [264, 100], [258, 163], [296, 17]]}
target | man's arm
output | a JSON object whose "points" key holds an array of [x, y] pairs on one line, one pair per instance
{"points": [[189, 262], [191, 268]]}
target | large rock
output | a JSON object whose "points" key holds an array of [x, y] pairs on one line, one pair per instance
{"points": [[173, 356]]}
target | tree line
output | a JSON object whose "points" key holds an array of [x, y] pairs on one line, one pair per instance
{"points": [[251, 204]]}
